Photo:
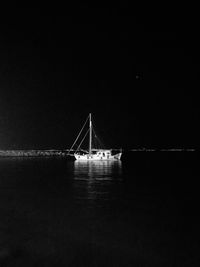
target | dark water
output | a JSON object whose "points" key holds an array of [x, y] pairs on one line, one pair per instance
{"points": [[142, 211]]}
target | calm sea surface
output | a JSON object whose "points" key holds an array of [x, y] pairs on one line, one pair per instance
{"points": [[141, 211]]}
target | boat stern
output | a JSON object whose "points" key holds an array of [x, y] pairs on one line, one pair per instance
{"points": [[118, 156]]}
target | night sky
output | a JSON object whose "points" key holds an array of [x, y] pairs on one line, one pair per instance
{"points": [[139, 78]]}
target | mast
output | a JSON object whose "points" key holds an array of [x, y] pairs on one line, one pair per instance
{"points": [[90, 138]]}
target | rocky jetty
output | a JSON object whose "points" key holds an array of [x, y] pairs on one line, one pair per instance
{"points": [[33, 153]]}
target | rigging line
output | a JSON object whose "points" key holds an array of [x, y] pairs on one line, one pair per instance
{"points": [[96, 141], [94, 127], [100, 142], [78, 136], [82, 140]]}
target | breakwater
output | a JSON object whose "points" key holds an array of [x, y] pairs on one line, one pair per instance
{"points": [[35, 153]]}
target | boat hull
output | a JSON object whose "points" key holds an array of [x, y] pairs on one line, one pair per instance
{"points": [[88, 157]]}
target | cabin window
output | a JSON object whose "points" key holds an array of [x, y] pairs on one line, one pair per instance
{"points": [[103, 154]]}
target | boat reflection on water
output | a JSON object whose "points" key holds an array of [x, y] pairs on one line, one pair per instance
{"points": [[97, 178], [103, 170]]}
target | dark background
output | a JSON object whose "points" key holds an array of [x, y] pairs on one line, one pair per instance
{"points": [[138, 75]]}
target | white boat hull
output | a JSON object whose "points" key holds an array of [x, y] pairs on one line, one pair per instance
{"points": [[96, 157]]}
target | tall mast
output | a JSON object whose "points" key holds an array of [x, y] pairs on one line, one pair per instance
{"points": [[90, 138]]}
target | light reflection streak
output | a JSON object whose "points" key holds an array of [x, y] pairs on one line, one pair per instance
{"points": [[97, 177]]}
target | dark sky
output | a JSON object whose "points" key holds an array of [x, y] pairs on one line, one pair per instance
{"points": [[139, 78]]}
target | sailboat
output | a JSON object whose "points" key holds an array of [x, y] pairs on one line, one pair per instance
{"points": [[93, 154]]}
